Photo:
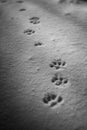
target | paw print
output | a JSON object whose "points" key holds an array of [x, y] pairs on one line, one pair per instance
{"points": [[34, 20], [29, 31], [58, 100], [38, 44], [59, 79], [51, 99], [48, 97], [57, 63]]}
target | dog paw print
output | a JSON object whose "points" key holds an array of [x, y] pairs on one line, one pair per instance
{"points": [[38, 44], [61, 81], [48, 97], [57, 63], [29, 32], [58, 80], [58, 100], [52, 100], [34, 20]]}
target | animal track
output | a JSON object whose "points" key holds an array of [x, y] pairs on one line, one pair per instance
{"points": [[48, 97], [22, 9], [57, 63], [59, 99], [51, 99], [34, 20], [29, 31], [38, 44], [58, 79]]}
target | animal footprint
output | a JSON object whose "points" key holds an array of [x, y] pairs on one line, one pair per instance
{"points": [[29, 31], [57, 63], [48, 97], [34, 20], [59, 79], [38, 44], [58, 100], [51, 99]]}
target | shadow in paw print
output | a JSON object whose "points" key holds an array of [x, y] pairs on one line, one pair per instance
{"points": [[54, 78], [81, 1], [56, 102], [53, 104], [22, 9], [57, 63], [49, 97], [65, 81], [3, 1], [34, 20], [19, 1], [59, 99], [29, 32], [38, 44]]}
